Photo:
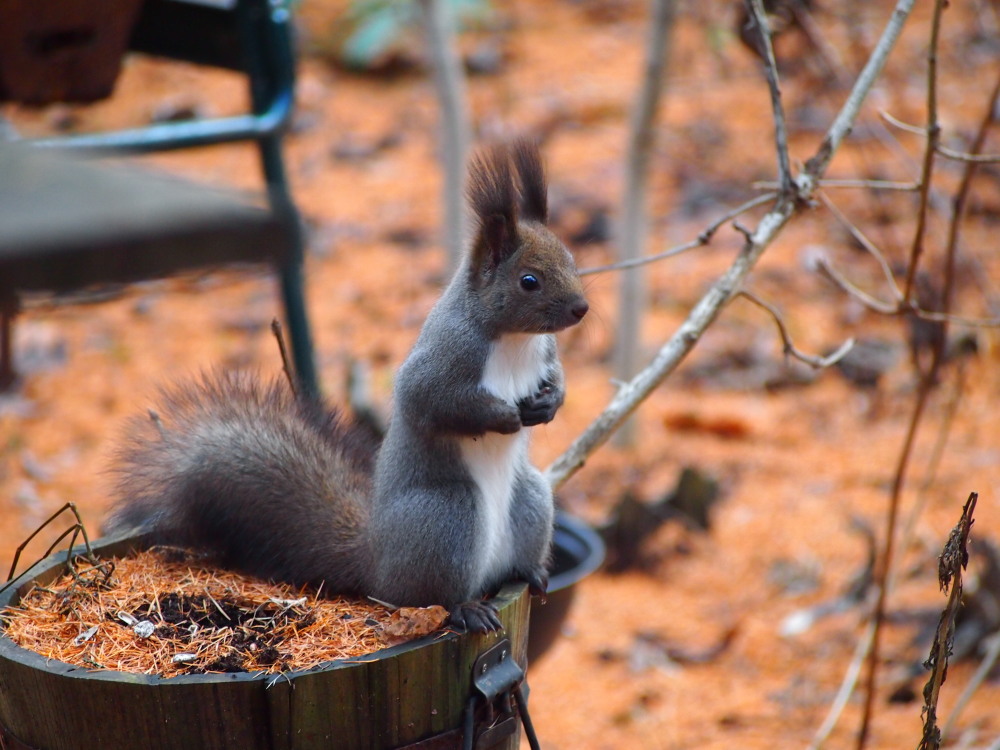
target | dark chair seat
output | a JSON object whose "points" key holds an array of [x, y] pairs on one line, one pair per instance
{"points": [[138, 239]]}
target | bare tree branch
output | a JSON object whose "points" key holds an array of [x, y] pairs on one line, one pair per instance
{"points": [[907, 187], [707, 309], [789, 348], [842, 124], [449, 84], [701, 240]]}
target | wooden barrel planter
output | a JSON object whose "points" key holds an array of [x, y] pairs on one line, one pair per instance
{"points": [[414, 695]]}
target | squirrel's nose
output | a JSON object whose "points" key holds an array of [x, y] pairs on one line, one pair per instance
{"points": [[579, 309]]}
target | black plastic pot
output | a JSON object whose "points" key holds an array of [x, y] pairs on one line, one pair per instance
{"points": [[577, 551]]}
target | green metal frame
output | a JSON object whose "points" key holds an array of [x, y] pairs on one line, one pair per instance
{"points": [[253, 37]]}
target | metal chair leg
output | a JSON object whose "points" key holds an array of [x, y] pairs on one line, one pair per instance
{"points": [[271, 64], [292, 282]]}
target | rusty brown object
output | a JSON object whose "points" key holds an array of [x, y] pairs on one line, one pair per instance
{"points": [[64, 51]]}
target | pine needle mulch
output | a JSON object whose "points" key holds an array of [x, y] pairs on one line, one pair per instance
{"points": [[164, 612]]}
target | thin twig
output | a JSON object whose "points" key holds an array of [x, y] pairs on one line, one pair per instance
{"points": [[867, 244], [286, 364], [888, 308], [846, 689], [904, 126], [934, 462], [872, 303], [701, 240], [948, 153], [707, 309], [904, 187], [926, 386], [958, 214], [933, 133], [76, 529], [962, 195], [954, 228], [816, 167], [756, 8], [788, 347], [990, 659]]}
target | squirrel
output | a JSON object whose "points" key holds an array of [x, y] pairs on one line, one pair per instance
{"points": [[448, 507]]}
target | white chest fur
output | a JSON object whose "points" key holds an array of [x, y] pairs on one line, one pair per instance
{"points": [[514, 369], [515, 366]]}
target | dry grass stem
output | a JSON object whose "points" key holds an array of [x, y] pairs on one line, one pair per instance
{"points": [[954, 559]]}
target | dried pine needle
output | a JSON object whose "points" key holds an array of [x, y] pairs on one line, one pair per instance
{"points": [[168, 614]]}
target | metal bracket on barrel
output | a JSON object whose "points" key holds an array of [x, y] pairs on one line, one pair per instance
{"points": [[497, 681]]}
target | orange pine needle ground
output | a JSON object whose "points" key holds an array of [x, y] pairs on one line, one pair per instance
{"points": [[164, 613]]}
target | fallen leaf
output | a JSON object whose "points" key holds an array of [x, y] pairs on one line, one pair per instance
{"points": [[407, 623]]}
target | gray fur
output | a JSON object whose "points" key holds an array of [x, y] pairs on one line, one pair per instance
{"points": [[233, 466], [452, 507]]}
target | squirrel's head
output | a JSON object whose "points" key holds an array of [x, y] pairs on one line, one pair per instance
{"points": [[524, 276]]}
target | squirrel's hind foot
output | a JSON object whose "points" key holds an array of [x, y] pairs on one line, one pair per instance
{"points": [[538, 583], [475, 617]]}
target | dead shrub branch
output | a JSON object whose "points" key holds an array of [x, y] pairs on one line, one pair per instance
{"points": [[933, 132], [703, 238], [954, 559], [707, 309], [947, 153], [788, 346], [759, 15], [929, 378]]}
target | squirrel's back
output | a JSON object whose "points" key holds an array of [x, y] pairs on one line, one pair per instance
{"points": [[268, 483]]}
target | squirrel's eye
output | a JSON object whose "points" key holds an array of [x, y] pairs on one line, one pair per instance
{"points": [[529, 282]]}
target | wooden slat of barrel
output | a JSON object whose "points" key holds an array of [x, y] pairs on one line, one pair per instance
{"points": [[396, 697]]}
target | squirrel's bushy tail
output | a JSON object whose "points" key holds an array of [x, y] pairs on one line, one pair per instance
{"points": [[266, 482]]}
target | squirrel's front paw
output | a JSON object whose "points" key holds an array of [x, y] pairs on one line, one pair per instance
{"points": [[475, 617], [540, 407], [509, 424]]}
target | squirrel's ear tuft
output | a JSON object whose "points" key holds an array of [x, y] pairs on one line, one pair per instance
{"points": [[531, 175], [493, 200]]}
